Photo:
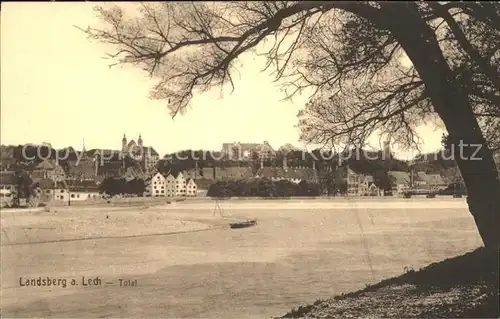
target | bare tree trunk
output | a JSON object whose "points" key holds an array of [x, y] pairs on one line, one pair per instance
{"points": [[452, 104]]}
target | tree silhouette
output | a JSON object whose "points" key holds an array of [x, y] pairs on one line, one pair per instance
{"points": [[23, 187]]}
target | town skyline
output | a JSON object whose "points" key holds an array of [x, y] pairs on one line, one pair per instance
{"points": [[66, 81]]}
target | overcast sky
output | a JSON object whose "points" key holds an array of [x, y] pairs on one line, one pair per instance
{"points": [[56, 87]]}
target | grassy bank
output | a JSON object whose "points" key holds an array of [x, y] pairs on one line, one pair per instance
{"points": [[462, 287]]}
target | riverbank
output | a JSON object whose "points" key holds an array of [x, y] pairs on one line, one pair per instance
{"points": [[152, 201], [462, 287]]}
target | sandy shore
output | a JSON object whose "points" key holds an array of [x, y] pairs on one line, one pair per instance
{"points": [[63, 224]]}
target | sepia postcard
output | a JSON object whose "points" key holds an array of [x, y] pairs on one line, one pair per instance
{"points": [[250, 159]]}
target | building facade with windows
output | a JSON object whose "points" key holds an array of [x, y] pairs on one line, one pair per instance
{"points": [[173, 185], [156, 186], [146, 155], [50, 190], [237, 151]]}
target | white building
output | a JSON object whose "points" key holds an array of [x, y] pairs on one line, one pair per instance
{"points": [[146, 155], [171, 186], [50, 190], [156, 187], [191, 188], [237, 151], [82, 190], [176, 185]]}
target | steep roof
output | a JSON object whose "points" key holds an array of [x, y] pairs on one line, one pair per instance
{"points": [[98, 179], [178, 174], [46, 165], [152, 151], [171, 176]]}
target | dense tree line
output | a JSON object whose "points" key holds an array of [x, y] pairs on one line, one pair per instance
{"points": [[23, 188], [262, 188], [119, 186]]}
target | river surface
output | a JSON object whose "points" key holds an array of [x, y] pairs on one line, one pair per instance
{"points": [[300, 251]]}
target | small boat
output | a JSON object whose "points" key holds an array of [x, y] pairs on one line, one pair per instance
{"points": [[247, 223]]}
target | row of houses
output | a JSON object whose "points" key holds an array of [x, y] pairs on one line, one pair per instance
{"points": [[47, 189], [171, 185], [53, 185], [404, 181]]}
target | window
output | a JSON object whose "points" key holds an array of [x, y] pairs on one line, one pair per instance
{"points": [[72, 195], [62, 190]]}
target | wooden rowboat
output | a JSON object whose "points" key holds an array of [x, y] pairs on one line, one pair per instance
{"points": [[243, 224]]}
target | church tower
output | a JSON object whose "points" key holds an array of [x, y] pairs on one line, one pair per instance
{"points": [[387, 150], [139, 141], [124, 143], [84, 151]]}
